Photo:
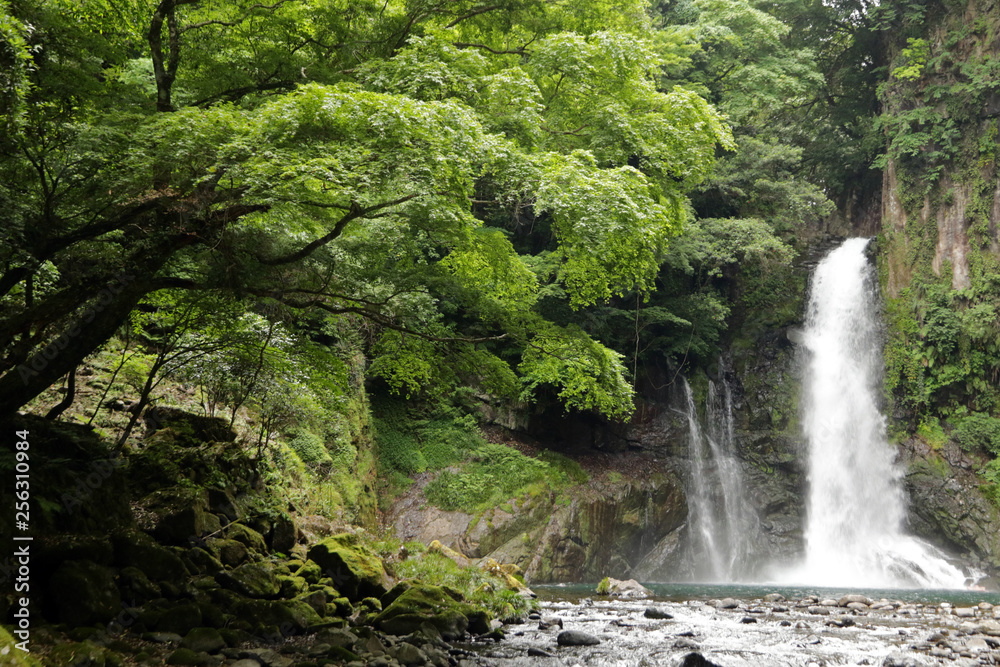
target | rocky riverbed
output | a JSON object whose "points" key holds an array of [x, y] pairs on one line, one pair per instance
{"points": [[769, 630]]}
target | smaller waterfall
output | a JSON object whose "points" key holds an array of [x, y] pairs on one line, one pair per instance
{"points": [[721, 520]]}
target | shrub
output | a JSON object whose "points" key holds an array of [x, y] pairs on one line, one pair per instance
{"points": [[979, 432]]}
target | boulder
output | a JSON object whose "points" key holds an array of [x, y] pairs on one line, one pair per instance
{"points": [[355, 570], [282, 536], [248, 537], [229, 552], [84, 593], [627, 588], [156, 562], [176, 515], [658, 614], [427, 604], [254, 580], [191, 429], [207, 640], [576, 638]]}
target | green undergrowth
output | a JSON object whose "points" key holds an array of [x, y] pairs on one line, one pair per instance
{"points": [[478, 586], [473, 474]]}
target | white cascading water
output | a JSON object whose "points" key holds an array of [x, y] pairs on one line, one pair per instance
{"points": [[723, 525], [856, 506]]}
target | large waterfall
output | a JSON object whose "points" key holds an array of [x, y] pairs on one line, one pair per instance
{"points": [[856, 505]]}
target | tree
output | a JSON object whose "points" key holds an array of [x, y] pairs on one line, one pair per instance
{"points": [[354, 159]]}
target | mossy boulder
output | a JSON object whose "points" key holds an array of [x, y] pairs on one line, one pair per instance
{"points": [[255, 580], [310, 571], [199, 560], [292, 586], [179, 514], [135, 586], [157, 562], [246, 536], [179, 618], [355, 570], [287, 616], [206, 640], [84, 593], [229, 552], [190, 429], [421, 604]]}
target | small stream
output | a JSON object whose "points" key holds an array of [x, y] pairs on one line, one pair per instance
{"points": [[734, 626]]}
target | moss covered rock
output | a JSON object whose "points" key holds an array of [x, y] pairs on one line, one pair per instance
{"points": [[246, 536], [178, 514], [427, 604], [229, 552], [84, 593], [355, 570], [157, 562], [255, 580]]}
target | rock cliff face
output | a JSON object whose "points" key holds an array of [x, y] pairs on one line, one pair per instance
{"points": [[603, 528]]}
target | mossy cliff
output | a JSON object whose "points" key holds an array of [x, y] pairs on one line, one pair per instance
{"points": [[939, 266]]}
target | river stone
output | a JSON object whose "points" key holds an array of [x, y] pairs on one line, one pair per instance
{"points": [[627, 588], [848, 599], [965, 612], [576, 638], [857, 606], [828, 603], [748, 619], [821, 611], [774, 597], [901, 660], [547, 622], [684, 642], [728, 603], [659, 614], [539, 653], [408, 654], [696, 660]]}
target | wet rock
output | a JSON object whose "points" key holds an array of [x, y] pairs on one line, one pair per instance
{"points": [[901, 660], [696, 660], [539, 653], [686, 643], [785, 624], [658, 614], [820, 611], [576, 638], [857, 606], [628, 588], [848, 599], [547, 622], [965, 612], [748, 619], [728, 603], [829, 603], [774, 597], [813, 639]]}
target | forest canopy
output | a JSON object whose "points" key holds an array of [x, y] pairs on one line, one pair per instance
{"points": [[520, 196]]}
